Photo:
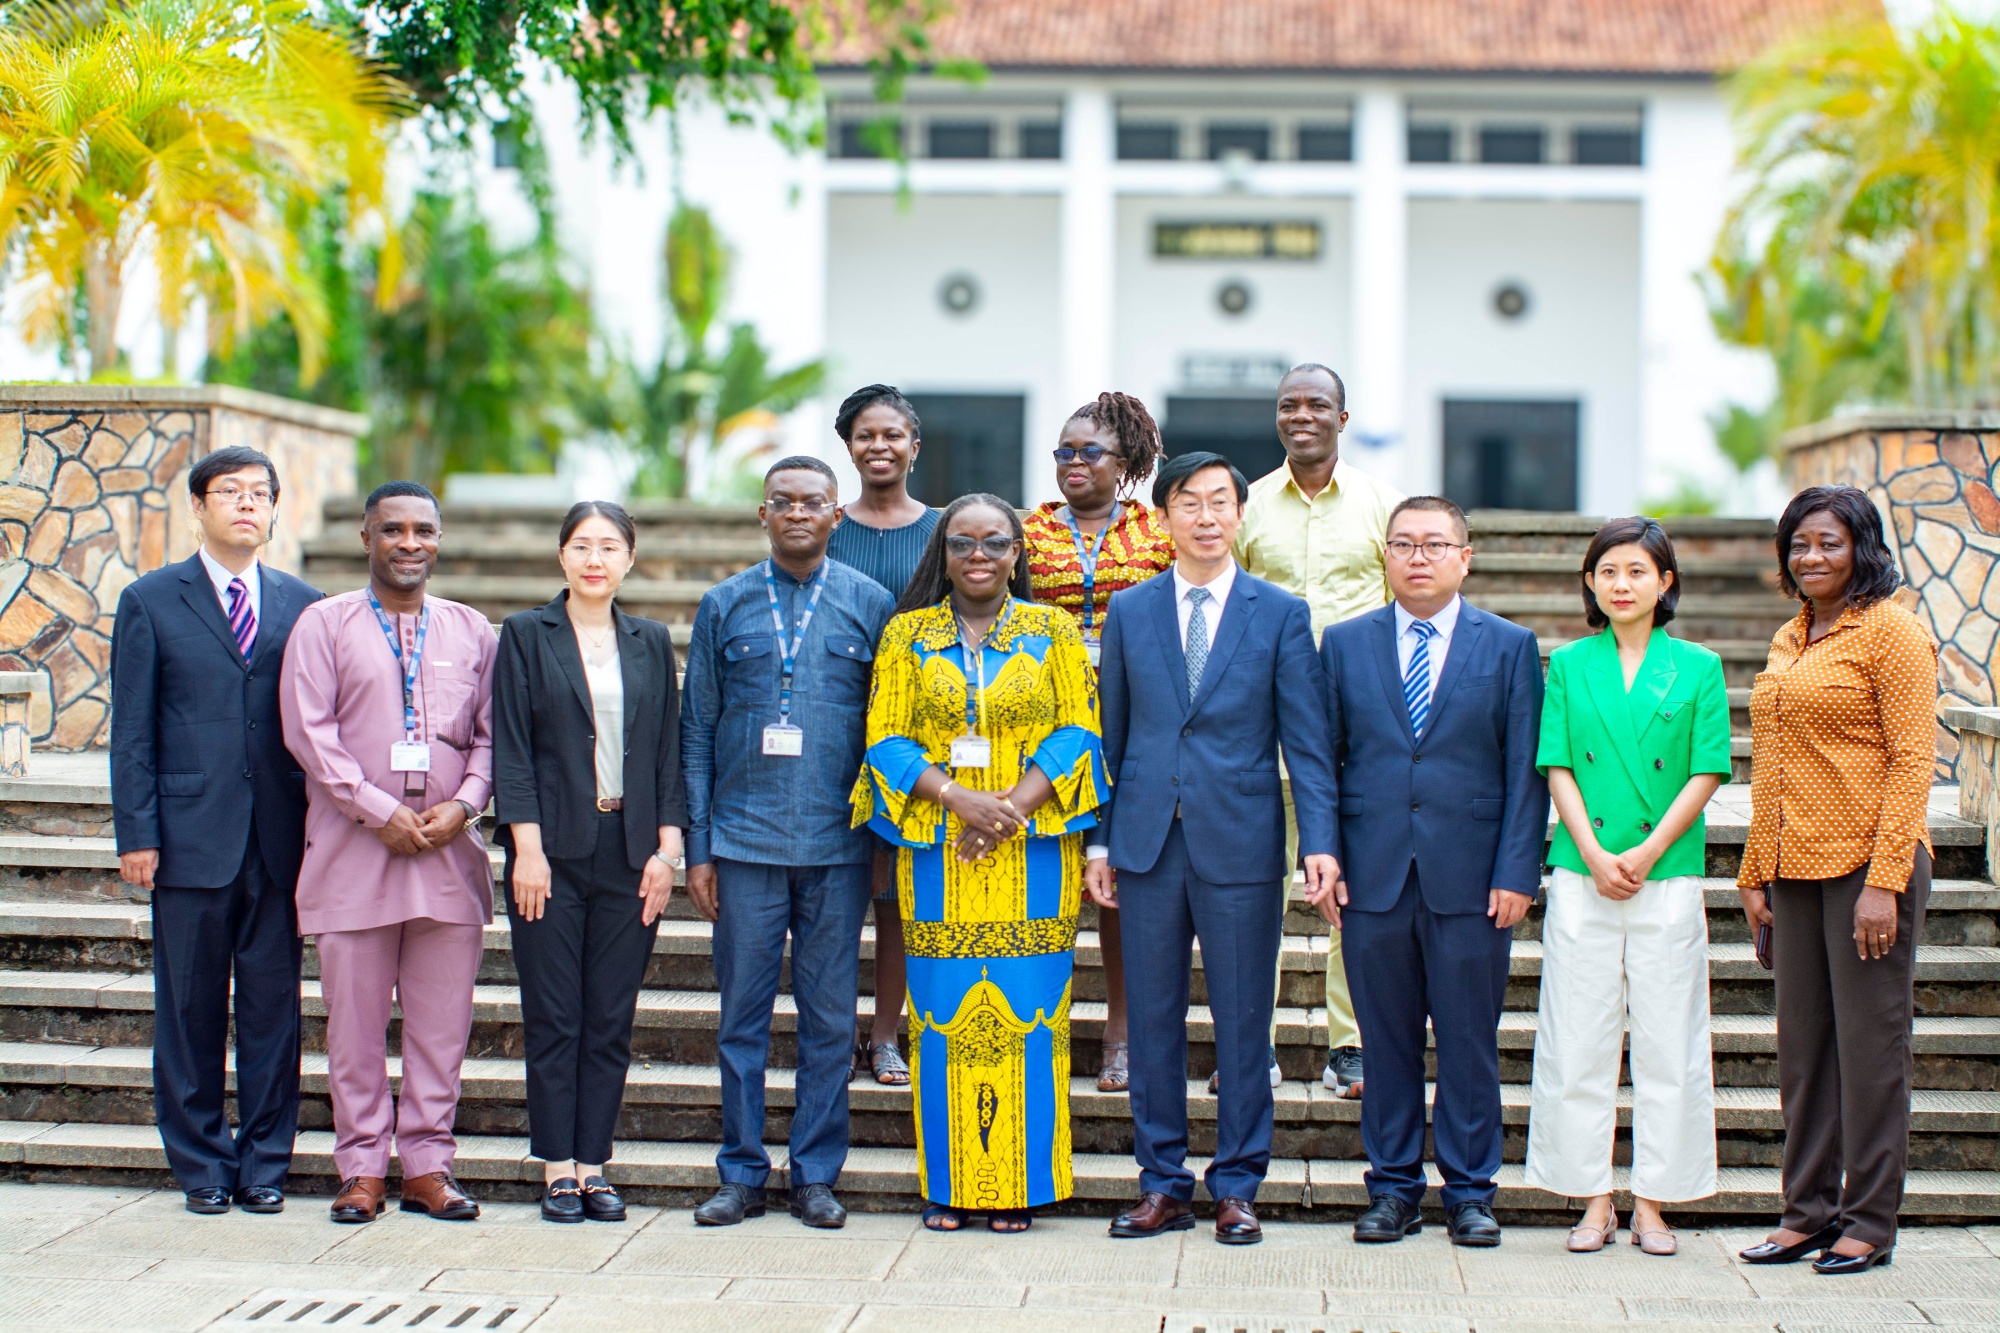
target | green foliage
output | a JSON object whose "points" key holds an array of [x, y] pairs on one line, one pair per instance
{"points": [[1687, 497]]}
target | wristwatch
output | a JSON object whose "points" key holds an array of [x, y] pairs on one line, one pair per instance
{"points": [[471, 815]]}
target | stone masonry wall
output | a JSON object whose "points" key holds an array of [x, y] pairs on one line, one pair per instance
{"points": [[1936, 479], [93, 493]]}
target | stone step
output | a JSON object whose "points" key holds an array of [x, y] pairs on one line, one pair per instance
{"points": [[499, 1167]]}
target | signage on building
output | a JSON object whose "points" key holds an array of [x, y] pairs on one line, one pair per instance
{"points": [[1238, 372], [1236, 240]]}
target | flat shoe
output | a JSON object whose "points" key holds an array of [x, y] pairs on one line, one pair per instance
{"points": [[1586, 1239], [1117, 1073], [1659, 1242], [886, 1063]]}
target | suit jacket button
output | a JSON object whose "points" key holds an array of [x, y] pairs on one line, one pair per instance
{"points": [[1416, 759], [246, 772], [253, 726], [1416, 805], [1659, 763], [1175, 780], [1187, 731], [1597, 823], [1589, 756], [1645, 827]]}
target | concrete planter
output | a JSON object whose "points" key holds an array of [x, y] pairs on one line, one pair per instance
{"points": [[93, 493]]}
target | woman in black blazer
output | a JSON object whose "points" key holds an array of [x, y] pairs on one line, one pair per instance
{"points": [[587, 792]]}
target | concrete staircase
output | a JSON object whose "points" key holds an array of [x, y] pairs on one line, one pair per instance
{"points": [[76, 1022]]}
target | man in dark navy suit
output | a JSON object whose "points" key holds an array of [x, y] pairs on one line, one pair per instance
{"points": [[1205, 671], [1434, 711], [210, 812]]}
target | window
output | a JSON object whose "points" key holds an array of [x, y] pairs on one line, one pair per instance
{"points": [[1601, 147], [1511, 455], [1326, 143], [1254, 141], [961, 138], [972, 442], [1041, 138], [1241, 428], [506, 146], [1511, 145], [854, 139], [1149, 142], [1430, 143]]}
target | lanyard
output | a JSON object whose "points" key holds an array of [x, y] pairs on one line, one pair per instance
{"points": [[411, 667], [1087, 553], [788, 650], [975, 696]]}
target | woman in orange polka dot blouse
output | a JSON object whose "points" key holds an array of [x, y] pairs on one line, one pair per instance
{"points": [[1838, 866]]}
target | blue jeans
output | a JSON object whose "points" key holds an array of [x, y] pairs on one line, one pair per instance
{"points": [[822, 908]]}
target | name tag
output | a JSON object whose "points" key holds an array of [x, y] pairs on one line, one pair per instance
{"points": [[971, 752], [410, 757], [782, 738], [1093, 651]]}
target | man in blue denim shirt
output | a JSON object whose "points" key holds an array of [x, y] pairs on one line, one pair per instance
{"points": [[774, 716]]}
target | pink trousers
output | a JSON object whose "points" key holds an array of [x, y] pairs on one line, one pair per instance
{"points": [[429, 968]]}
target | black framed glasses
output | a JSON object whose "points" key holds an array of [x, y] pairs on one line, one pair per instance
{"points": [[996, 548], [1090, 453], [1402, 550]]}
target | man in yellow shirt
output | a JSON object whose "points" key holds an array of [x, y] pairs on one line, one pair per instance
{"points": [[1316, 527]]}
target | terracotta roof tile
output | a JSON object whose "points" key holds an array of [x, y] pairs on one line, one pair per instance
{"points": [[1672, 37]]}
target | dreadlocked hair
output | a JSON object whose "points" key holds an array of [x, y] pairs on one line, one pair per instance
{"points": [[1138, 434]]}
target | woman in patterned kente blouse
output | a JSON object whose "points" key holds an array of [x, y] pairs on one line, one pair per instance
{"points": [[1093, 542], [984, 768]]}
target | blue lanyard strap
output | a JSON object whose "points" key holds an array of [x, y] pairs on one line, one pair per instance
{"points": [[412, 666], [788, 649], [1087, 553], [975, 696]]}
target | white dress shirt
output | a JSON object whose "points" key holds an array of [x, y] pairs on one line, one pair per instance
{"points": [[1443, 623], [1211, 610], [253, 583]]}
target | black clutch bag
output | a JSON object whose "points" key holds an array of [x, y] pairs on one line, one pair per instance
{"points": [[1764, 946]]}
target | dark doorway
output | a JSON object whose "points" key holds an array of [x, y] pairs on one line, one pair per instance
{"points": [[1511, 455], [1243, 430], [972, 442]]}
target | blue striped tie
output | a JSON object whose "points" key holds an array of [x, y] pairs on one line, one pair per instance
{"points": [[1196, 648], [242, 620], [1417, 680]]}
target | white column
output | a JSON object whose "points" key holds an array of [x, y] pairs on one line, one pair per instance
{"points": [[1376, 381], [1088, 268]]}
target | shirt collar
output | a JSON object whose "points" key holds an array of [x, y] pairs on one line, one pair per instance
{"points": [[1444, 622], [1218, 588], [1334, 485], [219, 575], [784, 575]]}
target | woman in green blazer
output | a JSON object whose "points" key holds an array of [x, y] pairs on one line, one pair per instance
{"points": [[1635, 739]]}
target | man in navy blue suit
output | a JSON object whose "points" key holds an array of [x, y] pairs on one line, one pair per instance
{"points": [[210, 812], [1434, 710], [1205, 672]]}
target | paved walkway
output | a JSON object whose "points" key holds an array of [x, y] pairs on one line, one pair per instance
{"points": [[74, 1258]]}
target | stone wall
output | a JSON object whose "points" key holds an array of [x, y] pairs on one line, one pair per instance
{"points": [[1936, 478], [93, 493]]}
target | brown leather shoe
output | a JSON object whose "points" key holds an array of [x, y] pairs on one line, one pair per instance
{"points": [[360, 1199], [438, 1195], [1236, 1223], [1153, 1214]]}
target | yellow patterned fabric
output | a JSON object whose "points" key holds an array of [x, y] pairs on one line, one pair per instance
{"points": [[990, 943]]}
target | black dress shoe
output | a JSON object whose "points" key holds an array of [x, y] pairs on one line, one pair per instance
{"points": [[816, 1207], [1832, 1264], [730, 1205], [210, 1199], [1770, 1252], [562, 1200], [1388, 1218], [1472, 1223], [601, 1202], [261, 1199]]}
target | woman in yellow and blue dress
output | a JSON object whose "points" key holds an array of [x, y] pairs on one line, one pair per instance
{"points": [[984, 767]]}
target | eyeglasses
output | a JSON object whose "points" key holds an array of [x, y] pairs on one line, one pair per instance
{"points": [[260, 496], [1090, 453], [1221, 506], [584, 550], [812, 506], [996, 548], [1402, 550]]}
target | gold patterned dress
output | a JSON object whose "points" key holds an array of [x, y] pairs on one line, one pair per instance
{"points": [[991, 943]]}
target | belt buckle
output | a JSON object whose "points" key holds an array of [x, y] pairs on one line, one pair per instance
{"points": [[604, 806]]}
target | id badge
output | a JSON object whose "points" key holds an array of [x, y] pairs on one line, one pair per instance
{"points": [[410, 757], [971, 752], [782, 738], [1093, 652]]}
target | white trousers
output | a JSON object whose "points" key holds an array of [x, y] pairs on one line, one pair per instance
{"points": [[1645, 959]]}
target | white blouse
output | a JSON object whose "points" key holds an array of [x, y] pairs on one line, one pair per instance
{"points": [[607, 704]]}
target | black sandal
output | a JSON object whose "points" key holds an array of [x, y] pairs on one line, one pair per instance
{"points": [[1009, 1221], [944, 1212]]}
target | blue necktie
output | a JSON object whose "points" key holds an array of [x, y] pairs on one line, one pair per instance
{"points": [[1417, 680], [1197, 640]]}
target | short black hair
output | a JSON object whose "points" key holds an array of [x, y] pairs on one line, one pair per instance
{"points": [[225, 461], [1875, 576], [1647, 534], [929, 583], [389, 490], [1432, 504], [1174, 474], [802, 463], [614, 514], [1339, 385], [867, 396]]}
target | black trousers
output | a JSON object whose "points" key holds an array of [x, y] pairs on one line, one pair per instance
{"points": [[248, 929], [581, 967], [1845, 1059]]}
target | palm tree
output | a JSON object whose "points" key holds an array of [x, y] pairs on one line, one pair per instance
{"points": [[1861, 254], [193, 135]]}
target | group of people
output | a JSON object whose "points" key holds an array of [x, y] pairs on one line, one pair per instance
{"points": [[1171, 705]]}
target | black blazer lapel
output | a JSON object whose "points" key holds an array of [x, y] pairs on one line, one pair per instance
{"points": [[562, 645], [1383, 633], [635, 670], [199, 594], [1464, 642], [1166, 623], [1229, 631], [280, 609]]}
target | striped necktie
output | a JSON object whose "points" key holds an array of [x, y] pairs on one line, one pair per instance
{"points": [[242, 620], [1417, 680], [1197, 640]]}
